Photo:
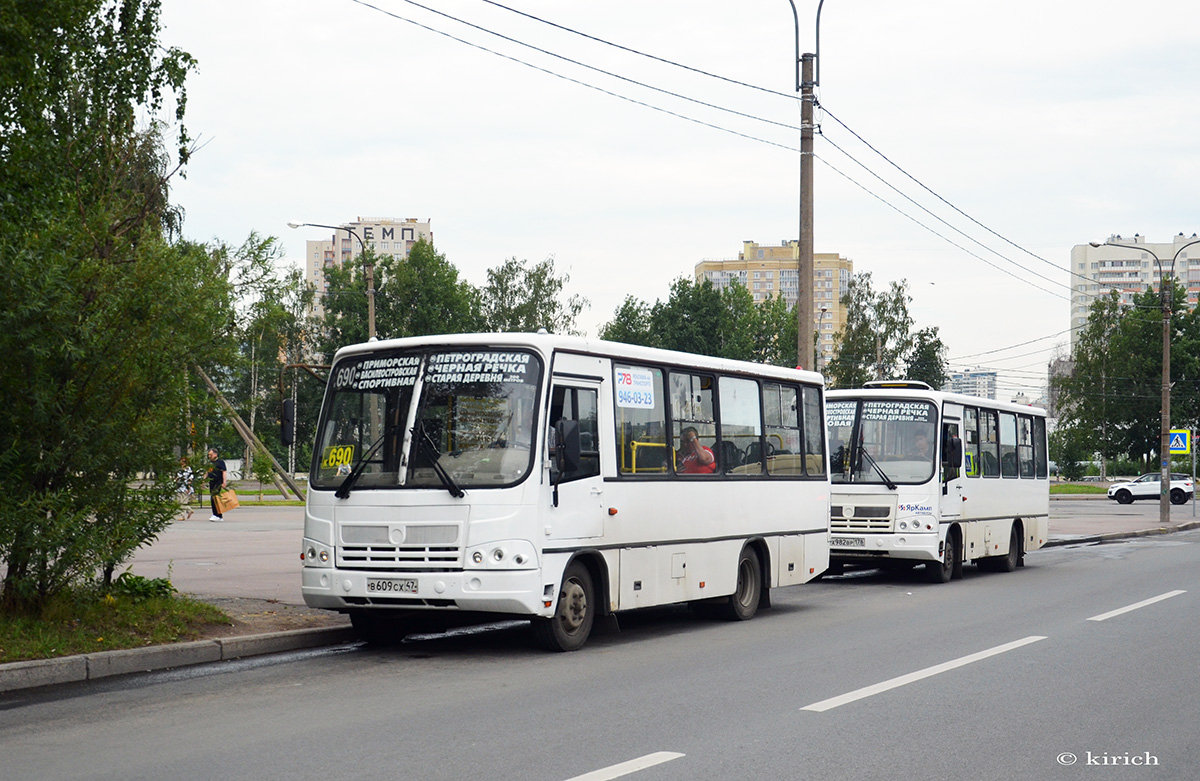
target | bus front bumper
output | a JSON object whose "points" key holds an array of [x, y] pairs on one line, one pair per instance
{"points": [[921, 546], [515, 592]]}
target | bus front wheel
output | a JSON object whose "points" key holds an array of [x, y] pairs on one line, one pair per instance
{"points": [[743, 603], [942, 571], [572, 622]]}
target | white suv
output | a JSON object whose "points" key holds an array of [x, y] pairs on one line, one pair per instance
{"points": [[1148, 487]]}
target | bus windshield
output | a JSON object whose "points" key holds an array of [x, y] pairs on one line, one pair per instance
{"points": [[881, 441], [428, 419]]}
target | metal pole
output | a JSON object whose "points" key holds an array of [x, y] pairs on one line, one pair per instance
{"points": [[1164, 451]]}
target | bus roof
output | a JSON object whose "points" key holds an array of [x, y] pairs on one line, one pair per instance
{"points": [[548, 343]]}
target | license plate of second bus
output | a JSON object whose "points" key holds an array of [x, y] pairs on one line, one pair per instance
{"points": [[391, 586], [848, 542]]}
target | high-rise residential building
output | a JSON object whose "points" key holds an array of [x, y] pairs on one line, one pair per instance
{"points": [[772, 270], [977, 383], [384, 235], [1129, 270]]}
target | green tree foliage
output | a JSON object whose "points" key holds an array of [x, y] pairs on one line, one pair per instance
{"points": [[927, 359], [100, 316], [876, 340], [523, 297], [698, 318], [630, 323], [1114, 392], [1069, 450], [417, 295]]}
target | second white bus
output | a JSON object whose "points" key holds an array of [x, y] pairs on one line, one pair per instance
{"points": [[544, 477], [924, 476]]}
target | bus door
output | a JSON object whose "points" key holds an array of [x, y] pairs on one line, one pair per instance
{"points": [[580, 511], [951, 472]]}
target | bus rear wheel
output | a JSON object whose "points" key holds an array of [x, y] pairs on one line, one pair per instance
{"points": [[572, 622], [743, 603], [1008, 562]]}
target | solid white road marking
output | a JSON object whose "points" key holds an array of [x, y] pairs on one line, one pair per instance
{"points": [[625, 768], [904, 680], [1143, 603]]}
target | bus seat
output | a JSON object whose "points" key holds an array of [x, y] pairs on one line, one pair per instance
{"points": [[728, 456]]}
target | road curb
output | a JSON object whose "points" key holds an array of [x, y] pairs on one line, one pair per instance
{"points": [[70, 669], [1111, 536]]}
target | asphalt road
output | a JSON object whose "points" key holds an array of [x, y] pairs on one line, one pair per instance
{"points": [[865, 676]]}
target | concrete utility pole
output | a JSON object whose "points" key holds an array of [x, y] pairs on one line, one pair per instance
{"points": [[805, 349], [806, 82]]}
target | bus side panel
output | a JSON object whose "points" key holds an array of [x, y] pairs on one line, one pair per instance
{"points": [[800, 558], [1037, 531], [666, 574]]}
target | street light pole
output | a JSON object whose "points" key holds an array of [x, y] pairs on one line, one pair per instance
{"points": [[368, 266], [1164, 445]]}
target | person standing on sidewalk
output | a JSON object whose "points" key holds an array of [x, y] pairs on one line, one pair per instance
{"points": [[217, 476]]}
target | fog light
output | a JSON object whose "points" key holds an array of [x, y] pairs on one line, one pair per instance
{"points": [[477, 557], [312, 553], [498, 554], [324, 556]]}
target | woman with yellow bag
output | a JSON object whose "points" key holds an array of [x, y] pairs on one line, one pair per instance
{"points": [[217, 476]]}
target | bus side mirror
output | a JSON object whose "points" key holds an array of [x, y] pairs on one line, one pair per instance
{"points": [[567, 449], [287, 423], [954, 451]]}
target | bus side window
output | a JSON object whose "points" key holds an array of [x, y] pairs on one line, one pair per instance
{"points": [[971, 440], [578, 404]]}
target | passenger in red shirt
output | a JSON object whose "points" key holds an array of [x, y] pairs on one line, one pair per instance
{"points": [[694, 458]]}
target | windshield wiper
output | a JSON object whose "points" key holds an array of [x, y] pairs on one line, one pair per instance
{"points": [[343, 490], [886, 480], [429, 448]]}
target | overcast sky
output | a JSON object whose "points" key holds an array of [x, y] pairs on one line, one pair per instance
{"points": [[1050, 123]]}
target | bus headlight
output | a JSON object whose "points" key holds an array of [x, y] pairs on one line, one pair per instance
{"points": [[505, 554], [315, 554]]}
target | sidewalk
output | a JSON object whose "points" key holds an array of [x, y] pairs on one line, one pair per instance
{"points": [[253, 558]]}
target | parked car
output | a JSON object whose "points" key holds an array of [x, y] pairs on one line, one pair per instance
{"points": [[1149, 487]]}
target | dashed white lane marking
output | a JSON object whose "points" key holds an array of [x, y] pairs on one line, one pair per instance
{"points": [[928, 672], [625, 768], [1143, 603]]}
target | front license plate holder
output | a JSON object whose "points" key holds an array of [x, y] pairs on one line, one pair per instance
{"points": [[848, 542]]}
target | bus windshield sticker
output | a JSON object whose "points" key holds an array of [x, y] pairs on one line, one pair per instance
{"points": [[898, 411], [336, 456], [840, 414], [373, 373], [464, 368], [635, 388]]}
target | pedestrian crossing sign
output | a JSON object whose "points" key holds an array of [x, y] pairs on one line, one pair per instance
{"points": [[1180, 441]]}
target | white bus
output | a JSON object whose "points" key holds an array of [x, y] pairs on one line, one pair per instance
{"points": [[942, 478], [545, 477]]}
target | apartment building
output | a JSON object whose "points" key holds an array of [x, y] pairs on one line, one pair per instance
{"points": [[1129, 269], [772, 270], [976, 383], [384, 235]]}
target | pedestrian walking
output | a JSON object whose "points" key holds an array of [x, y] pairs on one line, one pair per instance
{"points": [[217, 477]]}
